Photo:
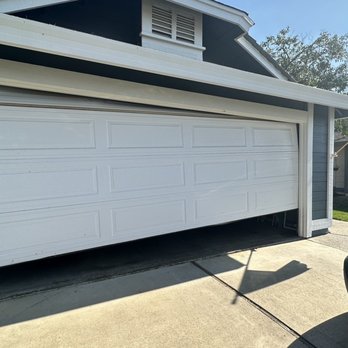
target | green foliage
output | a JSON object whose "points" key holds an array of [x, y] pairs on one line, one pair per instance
{"points": [[321, 63], [341, 126], [340, 208]]}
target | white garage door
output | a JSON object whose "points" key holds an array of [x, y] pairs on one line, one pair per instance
{"points": [[71, 180]]}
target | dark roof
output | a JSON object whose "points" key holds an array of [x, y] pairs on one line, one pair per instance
{"points": [[235, 8]]}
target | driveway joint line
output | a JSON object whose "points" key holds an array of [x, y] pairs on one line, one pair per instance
{"points": [[323, 244], [264, 311]]}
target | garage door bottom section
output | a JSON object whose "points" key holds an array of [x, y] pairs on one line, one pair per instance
{"points": [[72, 180]]}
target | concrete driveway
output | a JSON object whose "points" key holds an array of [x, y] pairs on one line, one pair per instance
{"points": [[263, 288]]}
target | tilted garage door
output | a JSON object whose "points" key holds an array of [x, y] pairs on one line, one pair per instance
{"points": [[71, 180]]}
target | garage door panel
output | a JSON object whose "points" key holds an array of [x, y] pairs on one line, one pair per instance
{"points": [[284, 195], [273, 137], [34, 133], [150, 176], [148, 219], [48, 229], [212, 136], [212, 205], [144, 135], [275, 167], [220, 171], [46, 182], [75, 179]]}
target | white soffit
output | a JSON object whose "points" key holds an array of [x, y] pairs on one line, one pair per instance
{"points": [[41, 37], [12, 6], [218, 10]]}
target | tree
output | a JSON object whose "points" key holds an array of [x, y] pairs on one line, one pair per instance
{"points": [[322, 62]]}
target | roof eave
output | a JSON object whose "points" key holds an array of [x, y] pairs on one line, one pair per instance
{"points": [[218, 10], [35, 36]]}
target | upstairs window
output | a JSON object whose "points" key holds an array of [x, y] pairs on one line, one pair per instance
{"points": [[172, 29]]}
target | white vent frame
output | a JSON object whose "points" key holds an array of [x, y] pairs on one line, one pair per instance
{"points": [[176, 30]]}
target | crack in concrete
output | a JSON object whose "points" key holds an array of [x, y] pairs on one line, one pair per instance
{"points": [[263, 310]]}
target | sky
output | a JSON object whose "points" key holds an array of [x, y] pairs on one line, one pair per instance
{"points": [[307, 17]]}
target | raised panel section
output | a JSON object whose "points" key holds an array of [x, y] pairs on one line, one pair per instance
{"points": [[272, 137], [144, 217], [34, 134], [146, 177], [215, 205], [137, 135], [223, 171], [277, 198], [33, 183], [212, 136], [49, 230], [277, 167]]}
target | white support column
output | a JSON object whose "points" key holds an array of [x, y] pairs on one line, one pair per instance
{"points": [[305, 175], [330, 163]]}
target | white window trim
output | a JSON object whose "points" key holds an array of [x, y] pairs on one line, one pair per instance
{"points": [[27, 34], [171, 44], [22, 75]]}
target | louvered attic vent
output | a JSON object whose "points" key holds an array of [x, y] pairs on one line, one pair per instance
{"points": [[185, 28], [162, 21], [172, 29]]}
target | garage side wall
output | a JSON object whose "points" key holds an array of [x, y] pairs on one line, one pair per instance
{"points": [[320, 162]]}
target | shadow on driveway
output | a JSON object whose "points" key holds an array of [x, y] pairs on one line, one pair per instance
{"points": [[52, 302], [47, 287], [120, 259], [331, 333]]}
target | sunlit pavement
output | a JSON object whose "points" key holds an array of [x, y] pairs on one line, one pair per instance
{"points": [[290, 293]]}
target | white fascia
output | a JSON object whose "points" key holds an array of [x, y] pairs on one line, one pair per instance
{"points": [[12, 6], [261, 59], [218, 10], [41, 37], [34, 77]]}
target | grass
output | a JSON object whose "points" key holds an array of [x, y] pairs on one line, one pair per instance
{"points": [[340, 206]]}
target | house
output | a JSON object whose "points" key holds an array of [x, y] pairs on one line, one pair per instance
{"points": [[341, 165], [121, 120]]}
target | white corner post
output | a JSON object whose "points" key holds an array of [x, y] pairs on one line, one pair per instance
{"points": [[306, 174]]}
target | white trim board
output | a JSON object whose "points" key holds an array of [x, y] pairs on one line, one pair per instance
{"points": [[306, 175], [23, 33], [260, 58], [321, 224], [11, 6], [330, 164], [23, 75], [29, 76]]}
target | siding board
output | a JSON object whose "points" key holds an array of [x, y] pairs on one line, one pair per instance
{"points": [[320, 157]]}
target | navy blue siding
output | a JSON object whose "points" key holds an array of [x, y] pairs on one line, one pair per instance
{"points": [[320, 158]]}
